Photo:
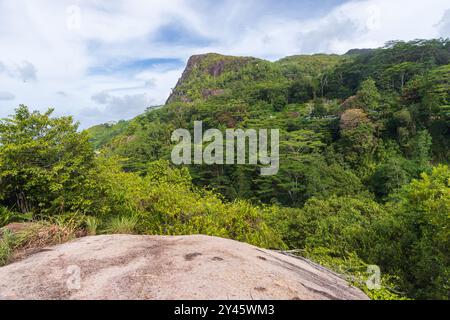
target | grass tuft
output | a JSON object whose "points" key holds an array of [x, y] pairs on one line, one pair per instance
{"points": [[122, 225], [92, 226]]}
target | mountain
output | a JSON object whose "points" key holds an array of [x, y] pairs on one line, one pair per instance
{"points": [[358, 132], [304, 91], [200, 69], [213, 75], [103, 133]]}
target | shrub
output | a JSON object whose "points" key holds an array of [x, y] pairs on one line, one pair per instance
{"points": [[45, 163]]}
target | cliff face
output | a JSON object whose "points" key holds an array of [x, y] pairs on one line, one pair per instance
{"points": [[201, 67], [162, 267]]}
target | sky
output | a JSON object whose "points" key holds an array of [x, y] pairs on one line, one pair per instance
{"points": [[103, 61]]}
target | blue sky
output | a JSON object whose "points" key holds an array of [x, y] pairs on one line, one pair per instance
{"points": [[108, 60]]}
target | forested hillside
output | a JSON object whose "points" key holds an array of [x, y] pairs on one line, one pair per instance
{"points": [[364, 154], [366, 122]]}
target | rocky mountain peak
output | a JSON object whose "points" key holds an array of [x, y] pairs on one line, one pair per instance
{"points": [[203, 66]]}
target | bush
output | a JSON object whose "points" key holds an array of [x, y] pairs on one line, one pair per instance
{"points": [[355, 271], [164, 201], [422, 222], [45, 163]]}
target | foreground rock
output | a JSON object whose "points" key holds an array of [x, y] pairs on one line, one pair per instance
{"points": [[158, 267]]}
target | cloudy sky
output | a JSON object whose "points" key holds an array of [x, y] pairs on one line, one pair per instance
{"points": [[108, 60]]}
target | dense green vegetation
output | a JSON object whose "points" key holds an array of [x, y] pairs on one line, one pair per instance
{"points": [[104, 133], [363, 179]]}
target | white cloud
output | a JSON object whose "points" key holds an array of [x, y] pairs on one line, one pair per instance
{"points": [[115, 108], [48, 47], [101, 97], [351, 25], [5, 95], [444, 25], [24, 71]]}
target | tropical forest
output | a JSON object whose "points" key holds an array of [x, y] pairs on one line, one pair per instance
{"points": [[363, 180]]}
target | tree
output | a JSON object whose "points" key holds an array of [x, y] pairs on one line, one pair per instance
{"points": [[368, 95], [422, 209], [301, 90], [338, 223], [297, 154], [399, 74], [358, 144], [352, 118], [389, 176], [45, 163]]}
